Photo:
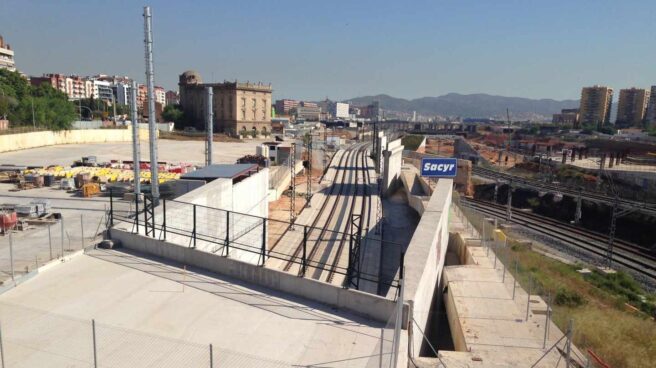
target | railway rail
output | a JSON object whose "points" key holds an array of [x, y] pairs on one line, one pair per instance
{"points": [[649, 208], [322, 251], [630, 256]]}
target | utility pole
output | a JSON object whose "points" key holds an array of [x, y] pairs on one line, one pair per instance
{"points": [[496, 190], [136, 160], [578, 213], [292, 202], [152, 123], [209, 125], [309, 173], [611, 234], [509, 204]]}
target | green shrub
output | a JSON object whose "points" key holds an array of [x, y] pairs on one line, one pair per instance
{"points": [[568, 298]]}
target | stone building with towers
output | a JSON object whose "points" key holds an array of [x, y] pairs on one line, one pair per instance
{"points": [[239, 108]]}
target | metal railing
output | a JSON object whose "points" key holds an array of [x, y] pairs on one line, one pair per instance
{"points": [[251, 238], [504, 250]]}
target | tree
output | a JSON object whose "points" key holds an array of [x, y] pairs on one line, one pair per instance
{"points": [[173, 113], [23, 103]]}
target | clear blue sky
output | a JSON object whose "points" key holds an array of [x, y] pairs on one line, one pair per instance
{"points": [[340, 49]]}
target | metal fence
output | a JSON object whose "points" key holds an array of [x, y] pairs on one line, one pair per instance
{"points": [[386, 352], [283, 168], [36, 338], [499, 246], [22, 254], [256, 239]]}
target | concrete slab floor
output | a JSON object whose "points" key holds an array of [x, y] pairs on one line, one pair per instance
{"points": [[493, 323], [124, 292], [168, 150], [32, 246]]}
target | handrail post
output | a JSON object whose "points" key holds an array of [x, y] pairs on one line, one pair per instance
{"points": [[264, 238], [111, 208], [211, 356], [145, 211], [304, 264], [152, 217], [95, 350], [227, 241], [136, 212], [164, 220], [350, 262], [194, 229]]}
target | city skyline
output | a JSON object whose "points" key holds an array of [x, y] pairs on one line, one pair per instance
{"points": [[434, 48]]}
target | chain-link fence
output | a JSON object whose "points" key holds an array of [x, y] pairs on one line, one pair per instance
{"points": [[281, 171], [35, 338], [23, 252]]}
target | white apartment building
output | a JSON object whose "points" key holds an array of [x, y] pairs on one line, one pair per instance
{"points": [[160, 95], [340, 110], [6, 56], [102, 90]]}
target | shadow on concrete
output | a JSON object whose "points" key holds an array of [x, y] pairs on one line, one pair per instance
{"points": [[262, 298]]}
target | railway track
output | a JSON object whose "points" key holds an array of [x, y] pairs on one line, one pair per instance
{"points": [[317, 230], [365, 212], [625, 254], [648, 208]]}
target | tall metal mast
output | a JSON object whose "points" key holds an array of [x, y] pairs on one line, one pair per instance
{"points": [[308, 195], [209, 126], [152, 120], [135, 139], [292, 202]]}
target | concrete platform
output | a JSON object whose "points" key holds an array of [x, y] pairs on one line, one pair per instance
{"points": [[157, 302], [168, 150], [487, 323]]}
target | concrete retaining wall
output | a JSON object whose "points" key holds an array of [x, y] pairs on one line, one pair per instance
{"points": [[15, 142], [367, 305], [248, 198], [283, 185], [424, 261], [393, 160], [411, 182]]}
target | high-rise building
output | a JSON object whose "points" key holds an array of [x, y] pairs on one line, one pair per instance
{"points": [[632, 107], [102, 90], [239, 108], [74, 86], [6, 56], [285, 106], [122, 93], [567, 116], [172, 98], [160, 95], [142, 96], [596, 102], [650, 118], [309, 113], [340, 110]]}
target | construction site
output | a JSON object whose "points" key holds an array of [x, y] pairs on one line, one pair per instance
{"points": [[324, 246]]}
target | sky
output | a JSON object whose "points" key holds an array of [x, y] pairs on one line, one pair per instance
{"points": [[342, 49]]}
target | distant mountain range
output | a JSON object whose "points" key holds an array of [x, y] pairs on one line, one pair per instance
{"points": [[474, 105]]}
